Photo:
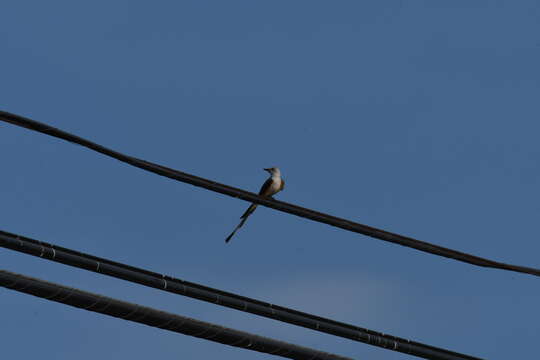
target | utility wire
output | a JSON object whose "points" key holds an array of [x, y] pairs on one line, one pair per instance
{"points": [[268, 202], [160, 319], [219, 297]]}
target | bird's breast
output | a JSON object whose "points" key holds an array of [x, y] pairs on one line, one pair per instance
{"points": [[276, 186]]}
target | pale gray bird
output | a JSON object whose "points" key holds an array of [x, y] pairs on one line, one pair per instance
{"points": [[272, 186]]}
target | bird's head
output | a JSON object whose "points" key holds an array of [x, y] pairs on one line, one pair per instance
{"points": [[274, 171]]}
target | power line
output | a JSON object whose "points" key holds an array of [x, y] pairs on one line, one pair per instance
{"points": [[219, 297], [272, 203], [159, 319]]}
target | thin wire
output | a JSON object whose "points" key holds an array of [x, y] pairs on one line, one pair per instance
{"points": [[155, 280], [156, 318], [272, 203]]}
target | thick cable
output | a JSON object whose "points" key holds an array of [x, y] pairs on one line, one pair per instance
{"points": [[159, 319], [181, 287], [268, 202]]}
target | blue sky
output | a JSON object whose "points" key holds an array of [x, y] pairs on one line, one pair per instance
{"points": [[416, 117]]}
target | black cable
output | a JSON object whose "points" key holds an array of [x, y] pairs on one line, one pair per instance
{"points": [[272, 203], [214, 296], [160, 319]]}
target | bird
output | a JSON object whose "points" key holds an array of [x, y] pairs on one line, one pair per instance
{"points": [[271, 186]]}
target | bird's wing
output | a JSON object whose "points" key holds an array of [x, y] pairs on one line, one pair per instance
{"points": [[265, 188]]}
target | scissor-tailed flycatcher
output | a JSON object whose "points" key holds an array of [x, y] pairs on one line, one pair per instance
{"points": [[273, 185]]}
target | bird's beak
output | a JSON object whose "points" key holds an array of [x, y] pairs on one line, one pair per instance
{"points": [[267, 169]]}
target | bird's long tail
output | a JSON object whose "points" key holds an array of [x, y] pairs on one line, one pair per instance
{"points": [[244, 217]]}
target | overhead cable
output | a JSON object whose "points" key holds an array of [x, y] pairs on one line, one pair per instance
{"points": [[159, 319], [268, 202], [181, 287]]}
